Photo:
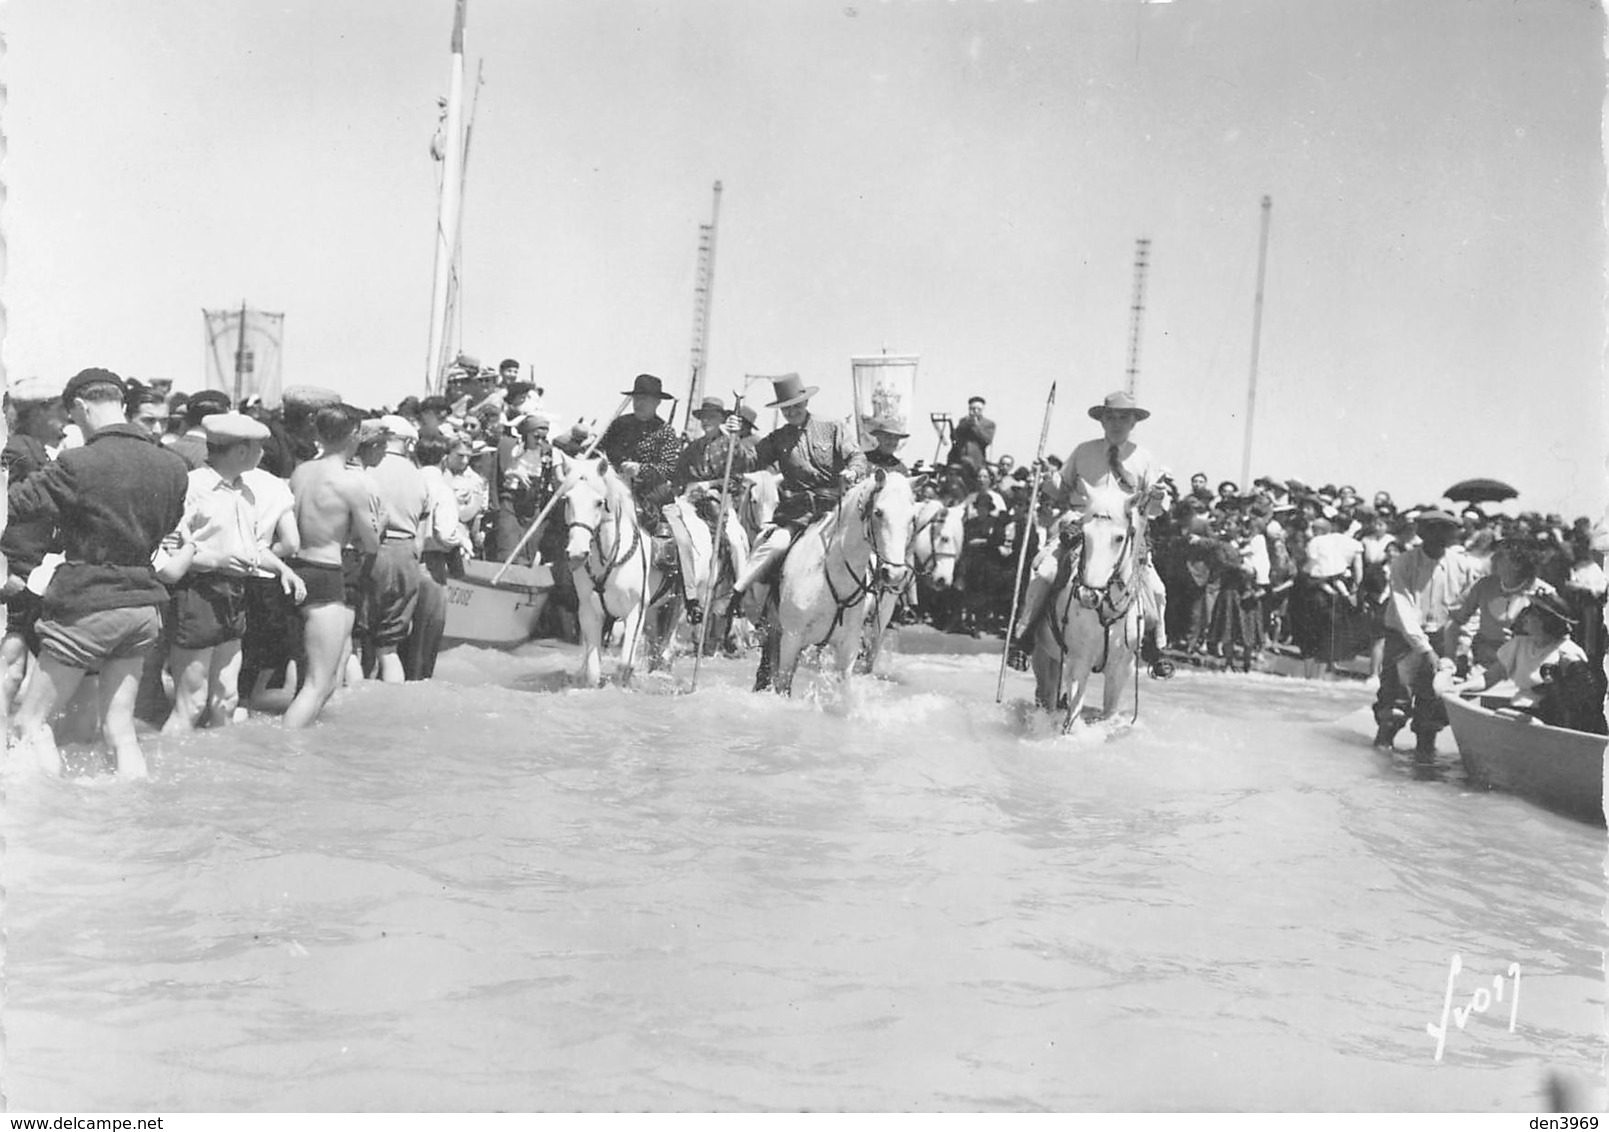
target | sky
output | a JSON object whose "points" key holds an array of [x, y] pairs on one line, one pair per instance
{"points": [[961, 180]]}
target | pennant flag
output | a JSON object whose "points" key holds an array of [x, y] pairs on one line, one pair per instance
{"points": [[885, 388], [243, 357]]}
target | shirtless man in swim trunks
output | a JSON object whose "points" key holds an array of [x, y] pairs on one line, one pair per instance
{"points": [[334, 507]]}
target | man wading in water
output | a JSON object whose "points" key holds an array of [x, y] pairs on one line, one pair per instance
{"points": [[334, 507]]}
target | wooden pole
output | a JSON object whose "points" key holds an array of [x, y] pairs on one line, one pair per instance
{"points": [[1022, 551]]}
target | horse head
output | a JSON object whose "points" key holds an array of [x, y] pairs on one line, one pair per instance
{"points": [[1108, 533], [888, 506], [939, 537], [588, 504]]}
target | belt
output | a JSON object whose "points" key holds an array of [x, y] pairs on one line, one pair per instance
{"points": [[399, 538]]}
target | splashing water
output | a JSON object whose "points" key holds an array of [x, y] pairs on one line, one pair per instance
{"points": [[494, 891]]}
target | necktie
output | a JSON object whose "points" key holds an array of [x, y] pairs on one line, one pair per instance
{"points": [[1116, 465]]}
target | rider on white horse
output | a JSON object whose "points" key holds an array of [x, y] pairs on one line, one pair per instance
{"points": [[817, 459], [643, 449], [1114, 460], [698, 475]]}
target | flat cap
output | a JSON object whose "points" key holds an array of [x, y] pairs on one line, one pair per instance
{"points": [[35, 389], [233, 426], [87, 377]]}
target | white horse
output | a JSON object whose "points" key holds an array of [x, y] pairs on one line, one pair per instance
{"points": [[934, 550], [611, 561], [1093, 623], [834, 569]]}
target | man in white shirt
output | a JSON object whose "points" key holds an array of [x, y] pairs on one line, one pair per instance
{"points": [[209, 603], [446, 541], [1114, 459], [1428, 584]]}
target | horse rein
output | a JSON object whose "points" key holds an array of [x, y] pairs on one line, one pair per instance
{"points": [[615, 560], [863, 585]]}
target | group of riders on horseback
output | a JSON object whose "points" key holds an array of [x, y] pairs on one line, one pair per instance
{"points": [[1091, 591]]}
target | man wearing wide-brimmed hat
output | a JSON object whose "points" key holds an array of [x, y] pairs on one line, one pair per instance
{"points": [[889, 436], [1113, 460], [817, 459], [1428, 584], [643, 448]]}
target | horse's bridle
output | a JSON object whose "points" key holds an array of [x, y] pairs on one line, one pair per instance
{"points": [[1111, 600], [864, 584], [615, 559], [933, 526]]}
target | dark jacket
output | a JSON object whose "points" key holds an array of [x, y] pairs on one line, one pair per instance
{"points": [[26, 541], [970, 442], [117, 497]]}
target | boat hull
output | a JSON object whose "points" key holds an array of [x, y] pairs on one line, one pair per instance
{"points": [[1557, 767], [501, 615]]}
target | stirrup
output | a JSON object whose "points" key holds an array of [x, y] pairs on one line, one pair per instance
{"points": [[1162, 669], [695, 611]]}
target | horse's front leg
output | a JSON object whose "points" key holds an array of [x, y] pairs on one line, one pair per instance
{"points": [[589, 615], [1125, 640], [1074, 686]]}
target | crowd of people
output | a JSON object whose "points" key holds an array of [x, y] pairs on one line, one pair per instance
{"points": [[185, 551]]}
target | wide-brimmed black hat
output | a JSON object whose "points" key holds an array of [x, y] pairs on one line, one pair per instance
{"points": [[647, 385], [790, 390]]}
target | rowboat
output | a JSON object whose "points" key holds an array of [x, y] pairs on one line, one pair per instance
{"points": [[1557, 767], [501, 615]]}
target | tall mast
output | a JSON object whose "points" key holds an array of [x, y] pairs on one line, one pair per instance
{"points": [[703, 300], [1256, 337], [1142, 261], [447, 218], [240, 355]]}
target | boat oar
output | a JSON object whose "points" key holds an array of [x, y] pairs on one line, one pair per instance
{"points": [[1022, 551], [720, 533], [558, 494]]}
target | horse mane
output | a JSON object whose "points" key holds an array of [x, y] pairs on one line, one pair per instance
{"points": [[615, 489]]}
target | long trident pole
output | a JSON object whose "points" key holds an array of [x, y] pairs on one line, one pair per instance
{"points": [[1022, 551], [558, 494], [720, 533]]}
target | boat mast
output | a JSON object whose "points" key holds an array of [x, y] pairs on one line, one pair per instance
{"points": [[240, 355], [1256, 337], [1142, 261], [703, 300], [447, 218]]}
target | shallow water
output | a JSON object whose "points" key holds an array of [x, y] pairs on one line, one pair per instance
{"points": [[493, 892]]}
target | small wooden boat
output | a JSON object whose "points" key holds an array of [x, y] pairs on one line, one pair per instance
{"points": [[1557, 767], [500, 615]]}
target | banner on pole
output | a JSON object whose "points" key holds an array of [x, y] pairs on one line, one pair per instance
{"points": [[241, 365], [885, 387]]}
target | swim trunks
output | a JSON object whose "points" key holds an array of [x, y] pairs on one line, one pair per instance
{"points": [[208, 610], [326, 584]]}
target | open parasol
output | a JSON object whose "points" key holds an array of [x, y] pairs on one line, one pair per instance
{"points": [[1480, 491]]}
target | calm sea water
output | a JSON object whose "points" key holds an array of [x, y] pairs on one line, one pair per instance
{"points": [[493, 892]]}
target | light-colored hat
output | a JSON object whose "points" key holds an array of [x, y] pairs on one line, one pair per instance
{"points": [[36, 389], [886, 425], [791, 389], [311, 395], [710, 407], [400, 427], [233, 426], [1119, 402]]}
